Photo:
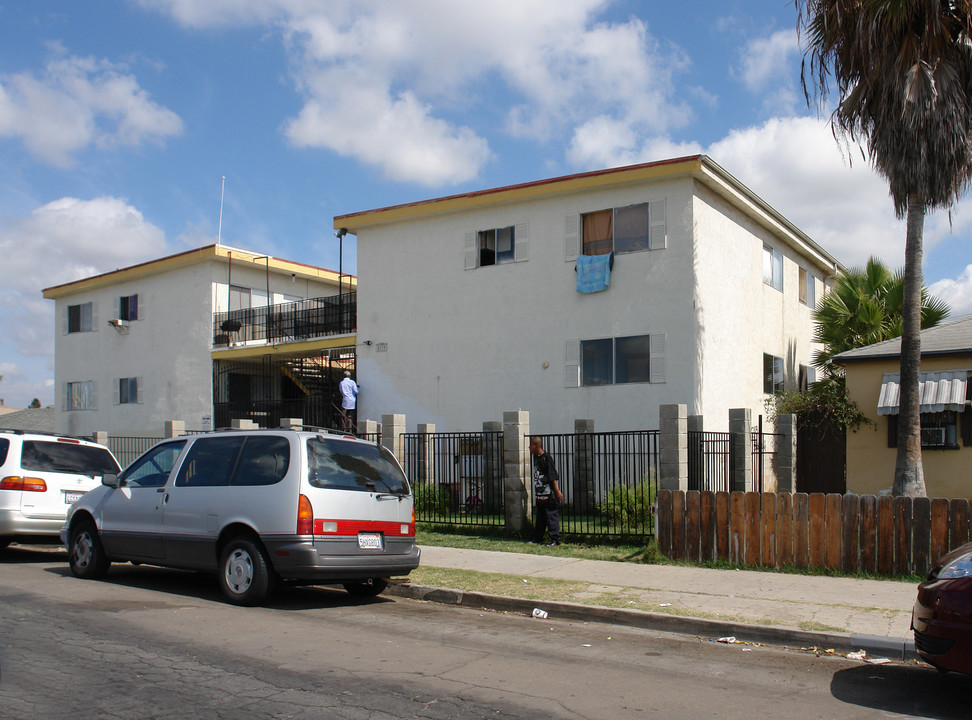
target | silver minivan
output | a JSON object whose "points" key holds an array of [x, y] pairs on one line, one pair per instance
{"points": [[255, 507]]}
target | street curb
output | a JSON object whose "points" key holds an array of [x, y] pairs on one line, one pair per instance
{"points": [[873, 645]]}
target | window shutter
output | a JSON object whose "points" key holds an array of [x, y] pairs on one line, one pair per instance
{"points": [[656, 358], [572, 238], [521, 242], [65, 399], [140, 305], [657, 232], [93, 403], [116, 391], [966, 420], [139, 384], [64, 320], [94, 316], [572, 364], [471, 251]]}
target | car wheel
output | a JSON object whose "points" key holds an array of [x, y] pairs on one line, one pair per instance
{"points": [[372, 587], [244, 577], [4, 541], [86, 555]]}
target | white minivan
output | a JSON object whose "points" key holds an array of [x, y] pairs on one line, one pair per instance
{"points": [[255, 507]]}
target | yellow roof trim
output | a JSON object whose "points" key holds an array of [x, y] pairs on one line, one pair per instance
{"points": [[209, 253], [526, 191], [301, 348]]}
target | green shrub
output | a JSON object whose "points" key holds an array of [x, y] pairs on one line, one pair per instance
{"points": [[430, 499], [629, 506]]}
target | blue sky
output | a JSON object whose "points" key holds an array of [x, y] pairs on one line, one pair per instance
{"points": [[118, 119]]}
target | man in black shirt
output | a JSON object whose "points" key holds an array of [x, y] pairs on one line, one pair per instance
{"points": [[546, 491]]}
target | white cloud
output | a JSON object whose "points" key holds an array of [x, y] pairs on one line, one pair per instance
{"points": [[78, 102], [63, 241], [398, 85], [766, 60], [956, 292]]}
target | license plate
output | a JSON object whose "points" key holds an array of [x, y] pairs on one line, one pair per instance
{"points": [[369, 541], [72, 496]]}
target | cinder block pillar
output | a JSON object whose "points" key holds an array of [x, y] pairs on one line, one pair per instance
{"points": [[370, 428], [516, 458], [392, 428], [583, 491], [673, 447], [492, 492], [291, 423], [741, 449], [425, 453], [174, 428], [243, 424], [786, 453], [100, 437]]}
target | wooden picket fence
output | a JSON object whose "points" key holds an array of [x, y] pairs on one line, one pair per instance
{"points": [[884, 535]]}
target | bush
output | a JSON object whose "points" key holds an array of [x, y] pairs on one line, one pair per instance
{"points": [[430, 500], [629, 506]]}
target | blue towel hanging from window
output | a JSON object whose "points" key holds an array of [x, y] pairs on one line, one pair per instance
{"points": [[594, 272]]}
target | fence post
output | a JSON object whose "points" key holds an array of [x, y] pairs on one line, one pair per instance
{"points": [[392, 427], [492, 465], [425, 452], [369, 427], [673, 447], [786, 453], [516, 458], [741, 449], [291, 423], [100, 437], [584, 465], [243, 424], [174, 428]]}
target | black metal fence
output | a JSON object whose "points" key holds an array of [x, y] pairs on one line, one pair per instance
{"points": [[609, 482], [709, 461], [127, 449], [457, 478], [306, 319]]}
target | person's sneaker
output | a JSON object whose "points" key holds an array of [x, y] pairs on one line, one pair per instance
{"points": [[553, 544], [531, 542]]}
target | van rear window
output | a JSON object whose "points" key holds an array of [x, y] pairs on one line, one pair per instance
{"points": [[53, 456], [4, 446], [347, 465]]}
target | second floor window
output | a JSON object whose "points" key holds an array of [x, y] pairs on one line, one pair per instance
{"points": [[128, 307], [80, 318], [80, 396], [127, 391], [772, 374], [773, 267], [624, 229], [496, 246]]}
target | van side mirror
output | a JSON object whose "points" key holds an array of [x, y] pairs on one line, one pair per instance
{"points": [[110, 479]]}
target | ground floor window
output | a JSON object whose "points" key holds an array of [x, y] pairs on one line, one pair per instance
{"points": [[616, 361], [772, 374], [938, 430]]}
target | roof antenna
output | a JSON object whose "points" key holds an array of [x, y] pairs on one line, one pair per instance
{"points": [[219, 230]]}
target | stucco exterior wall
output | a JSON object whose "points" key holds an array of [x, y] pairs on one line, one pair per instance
{"points": [[870, 462], [739, 316]]}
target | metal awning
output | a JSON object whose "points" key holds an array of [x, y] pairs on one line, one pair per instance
{"points": [[937, 392]]}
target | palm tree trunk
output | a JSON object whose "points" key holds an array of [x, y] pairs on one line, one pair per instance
{"points": [[909, 478]]}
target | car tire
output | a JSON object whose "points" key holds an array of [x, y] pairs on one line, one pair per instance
{"points": [[4, 541], [245, 576], [372, 587], [86, 555]]}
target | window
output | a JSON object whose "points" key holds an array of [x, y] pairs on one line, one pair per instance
{"points": [[624, 229], [128, 307], [210, 462], [353, 466], [773, 267], [622, 360], [128, 391], [264, 461], [772, 374], [807, 289], [52, 456], [152, 469], [808, 376], [938, 430], [80, 318], [80, 395], [496, 246], [239, 298]]}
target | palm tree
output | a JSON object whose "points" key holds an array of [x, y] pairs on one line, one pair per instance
{"points": [[865, 306], [903, 72]]}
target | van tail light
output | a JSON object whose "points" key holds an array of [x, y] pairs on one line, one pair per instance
{"points": [[27, 484], [305, 516]]}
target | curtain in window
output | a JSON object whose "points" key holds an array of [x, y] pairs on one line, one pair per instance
{"points": [[598, 233]]}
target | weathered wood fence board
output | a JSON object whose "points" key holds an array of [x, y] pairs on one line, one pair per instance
{"points": [[886, 535]]}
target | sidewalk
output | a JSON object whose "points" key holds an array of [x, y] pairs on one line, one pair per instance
{"points": [[843, 614]]}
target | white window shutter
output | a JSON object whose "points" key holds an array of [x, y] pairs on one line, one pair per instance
{"points": [[572, 238], [139, 385], [572, 364], [656, 358], [471, 251], [64, 320], [94, 396], [521, 242], [657, 230], [65, 398], [141, 306], [94, 316], [116, 391]]}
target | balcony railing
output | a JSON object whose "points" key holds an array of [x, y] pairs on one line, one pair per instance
{"points": [[287, 322]]}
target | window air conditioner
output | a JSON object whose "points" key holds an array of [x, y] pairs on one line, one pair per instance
{"points": [[118, 323]]}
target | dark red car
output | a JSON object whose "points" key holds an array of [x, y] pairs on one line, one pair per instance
{"points": [[942, 618]]}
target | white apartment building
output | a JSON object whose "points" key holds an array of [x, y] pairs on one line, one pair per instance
{"points": [[203, 337], [471, 306]]}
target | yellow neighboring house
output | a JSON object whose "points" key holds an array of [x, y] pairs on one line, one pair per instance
{"points": [[946, 423]]}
